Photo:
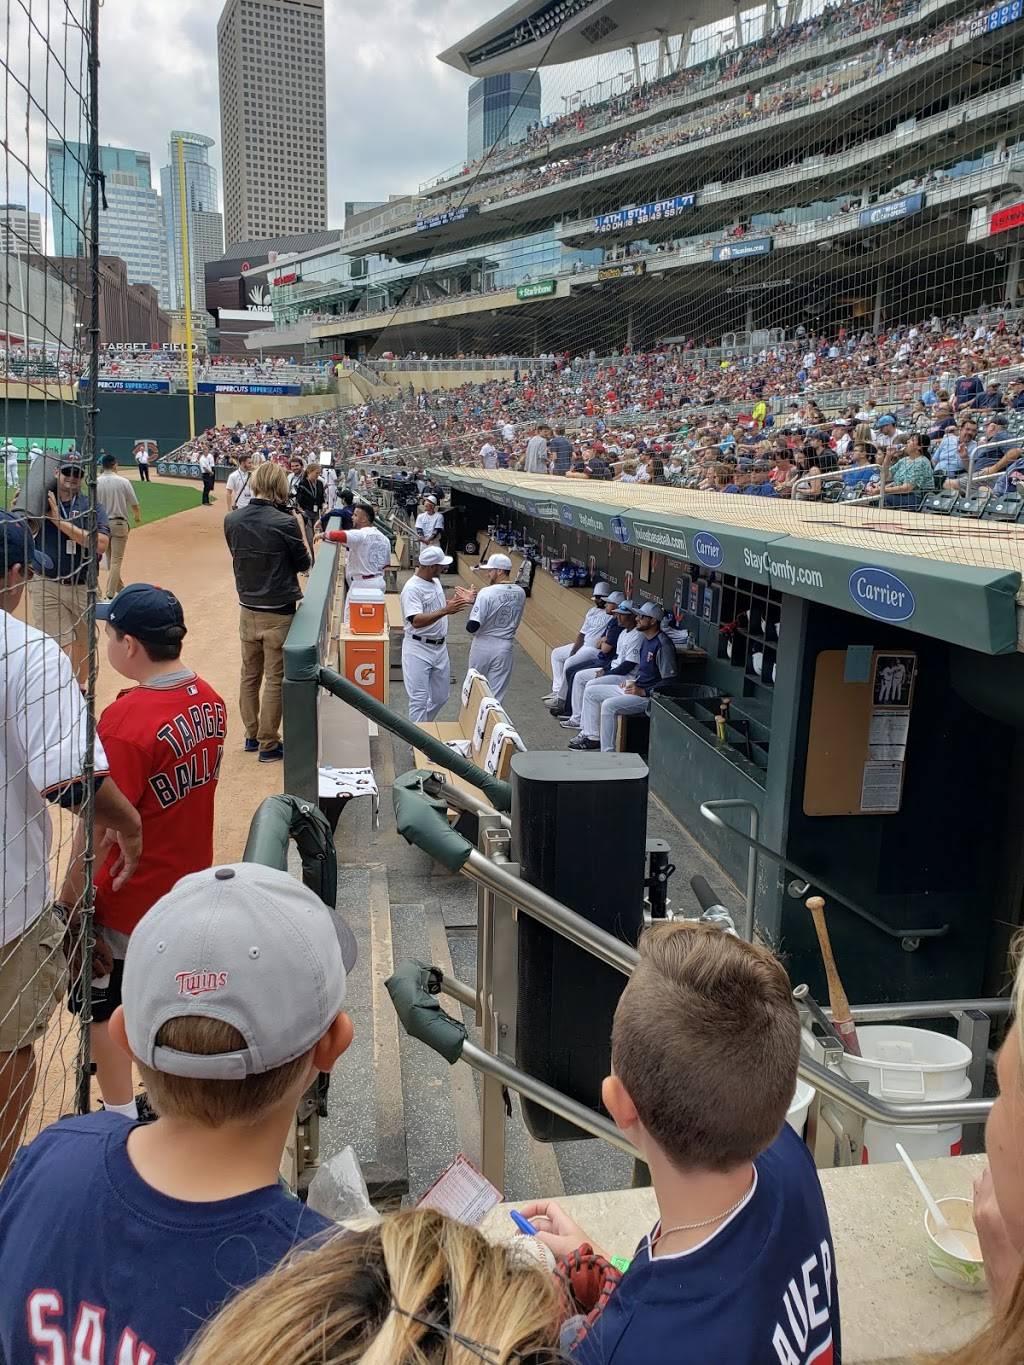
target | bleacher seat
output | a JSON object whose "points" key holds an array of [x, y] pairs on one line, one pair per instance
{"points": [[942, 503], [1007, 507], [973, 506]]}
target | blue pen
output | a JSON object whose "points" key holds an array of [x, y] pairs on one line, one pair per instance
{"points": [[523, 1224]]}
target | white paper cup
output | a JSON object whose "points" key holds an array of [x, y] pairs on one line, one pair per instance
{"points": [[959, 1272]]}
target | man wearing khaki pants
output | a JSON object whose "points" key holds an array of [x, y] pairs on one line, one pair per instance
{"points": [[268, 552], [118, 497]]}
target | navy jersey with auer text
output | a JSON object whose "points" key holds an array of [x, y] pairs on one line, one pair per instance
{"points": [[761, 1291], [98, 1268]]}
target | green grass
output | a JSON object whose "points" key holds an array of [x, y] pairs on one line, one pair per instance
{"points": [[156, 500]]}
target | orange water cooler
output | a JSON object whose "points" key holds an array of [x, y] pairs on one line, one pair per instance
{"points": [[365, 611], [364, 660]]}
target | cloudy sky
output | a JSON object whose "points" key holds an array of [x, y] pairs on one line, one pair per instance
{"points": [[395, 114]]}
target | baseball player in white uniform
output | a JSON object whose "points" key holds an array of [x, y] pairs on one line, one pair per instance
{"points": [[369, 551], [590, 631], [11, 466], [426, 669], [493, 621], [589, 681], [430, 522]]}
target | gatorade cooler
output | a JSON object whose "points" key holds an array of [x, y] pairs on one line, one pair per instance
{"points": [[366, 611], [365, 663]]}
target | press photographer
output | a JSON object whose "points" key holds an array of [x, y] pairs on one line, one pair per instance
{"points": [[268, 552]]}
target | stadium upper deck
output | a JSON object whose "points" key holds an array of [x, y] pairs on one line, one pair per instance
{"points": [[843, 168]]}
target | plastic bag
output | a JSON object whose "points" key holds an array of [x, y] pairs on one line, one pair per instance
{"points": [[338, 1190]]}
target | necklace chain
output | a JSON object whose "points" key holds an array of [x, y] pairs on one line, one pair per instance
{"points": [[704, 1222]]}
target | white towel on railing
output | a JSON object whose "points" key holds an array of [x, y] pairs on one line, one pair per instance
{"points": [[468, 683], [499, 735], [460, 746]]}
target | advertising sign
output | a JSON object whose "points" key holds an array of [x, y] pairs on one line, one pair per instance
{"points": [[438, 220], [891, 212], [539, 290], [292, 389], [735, 251], [622, 272], [1005, 219], [130, 385]]}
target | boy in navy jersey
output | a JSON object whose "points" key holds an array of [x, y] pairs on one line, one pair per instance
{"points": [[118, 1239], [740, 1266]]}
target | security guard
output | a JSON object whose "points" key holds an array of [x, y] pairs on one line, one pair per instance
{"points": [[426, 669], [493, 621]]}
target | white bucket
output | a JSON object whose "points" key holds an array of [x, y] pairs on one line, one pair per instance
{"points": [[796, 1115], [905, 1065]]}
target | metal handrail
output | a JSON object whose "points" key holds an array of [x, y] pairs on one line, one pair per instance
{"points": [[906, 935], [606, 948]]}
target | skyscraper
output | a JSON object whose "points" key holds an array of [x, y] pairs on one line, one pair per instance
{"points": [[273, 117], [132, 227], [501, 109], [205, 225], [67, 163], [21, 230]]}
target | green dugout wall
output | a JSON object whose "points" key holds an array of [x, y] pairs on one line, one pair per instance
{"points": [[876, 721], [123, 419]]}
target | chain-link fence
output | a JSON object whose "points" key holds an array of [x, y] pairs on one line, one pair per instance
{"points": [[49, 550]]}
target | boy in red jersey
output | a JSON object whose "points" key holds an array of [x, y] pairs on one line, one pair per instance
{"points": [[164, 740]]}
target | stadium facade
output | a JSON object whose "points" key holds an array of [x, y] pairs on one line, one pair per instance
{"points": [[855, 168]]}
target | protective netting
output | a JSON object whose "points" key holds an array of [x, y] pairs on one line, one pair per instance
{"points": [[726, 259], [48, 322]]}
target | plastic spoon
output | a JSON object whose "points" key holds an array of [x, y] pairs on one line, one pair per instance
{"points": [[950, 1237]]}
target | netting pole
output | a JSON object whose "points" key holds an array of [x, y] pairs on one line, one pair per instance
{"points": [[186, 276]]}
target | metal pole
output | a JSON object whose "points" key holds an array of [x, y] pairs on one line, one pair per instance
{"points": [[540, 1093], [836, 1087], [540, 906], [186, 276]]}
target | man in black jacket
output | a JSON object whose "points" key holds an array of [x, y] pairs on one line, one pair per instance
{"points": [[268, 552]]}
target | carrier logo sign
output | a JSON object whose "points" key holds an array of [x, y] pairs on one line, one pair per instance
{"points": [[565, 513], [620, 529], [881, 594], [707, 550]]}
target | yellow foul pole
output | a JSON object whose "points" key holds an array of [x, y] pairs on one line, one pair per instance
{"points": [[186, 276]]}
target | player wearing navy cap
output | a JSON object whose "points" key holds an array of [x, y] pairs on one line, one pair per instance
{"points": [[164, 740]]}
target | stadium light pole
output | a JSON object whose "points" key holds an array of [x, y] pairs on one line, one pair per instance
{"points": [[186, 276]]}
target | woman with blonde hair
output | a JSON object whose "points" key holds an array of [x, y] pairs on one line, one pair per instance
{"points": [[999, 1204], [416, 1289]]}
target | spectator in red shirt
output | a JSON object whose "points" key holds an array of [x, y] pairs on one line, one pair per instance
{"points": [[164, 741]]}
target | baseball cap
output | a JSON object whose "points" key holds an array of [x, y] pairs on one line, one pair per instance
{"points": [[71, 461], [430, 498], [626, 606], [145, 611], [602, 590], [433, 554], [649, 609], [615, 598], [495, 562], [18, 547], [886, 421], [999, 418], [248, 945]]}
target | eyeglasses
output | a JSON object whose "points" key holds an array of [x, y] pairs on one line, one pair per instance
{"points": [[72, 472]]}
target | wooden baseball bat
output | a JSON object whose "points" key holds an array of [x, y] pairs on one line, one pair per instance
{"points": [[841, 1017]]}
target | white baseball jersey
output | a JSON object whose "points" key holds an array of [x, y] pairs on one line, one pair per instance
{"points": [[594, 624], [420, 596], [43, 715], [627, 647], [369, 553], [488, 456], [498, 609], [429, 524]]}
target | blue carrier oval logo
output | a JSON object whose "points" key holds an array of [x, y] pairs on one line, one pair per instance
{"points": [[881, 594], [620, 529], [566, 514], [707, 549]]}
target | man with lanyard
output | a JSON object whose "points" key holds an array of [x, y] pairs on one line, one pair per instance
{"points": [[426, 669], [117, 495], [493, 621], [237, 486], [369, 551], [656, 663], [59, 596], [430, 523]]}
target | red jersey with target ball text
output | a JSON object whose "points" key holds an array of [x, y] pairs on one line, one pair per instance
{"points": [[164, 742]]}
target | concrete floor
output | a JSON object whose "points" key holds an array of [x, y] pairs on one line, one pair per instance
{"points": [[407, 1112]]}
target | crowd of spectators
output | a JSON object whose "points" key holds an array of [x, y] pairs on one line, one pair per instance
{"points": [[119, 362]]}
